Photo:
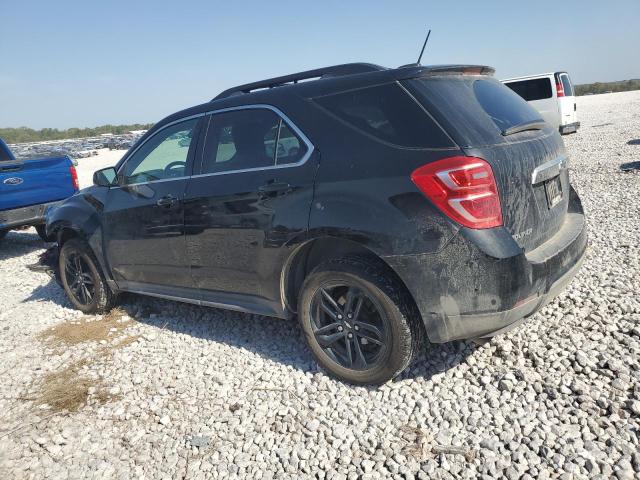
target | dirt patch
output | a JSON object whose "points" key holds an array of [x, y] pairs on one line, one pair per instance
{"points": [[64, 390], [68, 390], [73, 333], [71, 387]]}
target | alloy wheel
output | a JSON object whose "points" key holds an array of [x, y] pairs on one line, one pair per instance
{"points": [[349, 326], [79, 279]]}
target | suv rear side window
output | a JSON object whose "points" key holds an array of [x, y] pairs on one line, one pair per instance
{"points": [[534, 89], [245, 139], [387, 113]]}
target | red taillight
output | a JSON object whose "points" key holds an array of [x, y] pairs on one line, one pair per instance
{"points": [[74, 178], [464, 188], [560, 89]]}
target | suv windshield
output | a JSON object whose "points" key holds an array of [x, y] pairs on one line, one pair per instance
{"points": [[463, 104]]}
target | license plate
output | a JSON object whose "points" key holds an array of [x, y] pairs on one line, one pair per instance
{"points": [[553, 189]]}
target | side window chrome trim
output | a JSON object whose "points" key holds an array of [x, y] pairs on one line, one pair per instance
{"points": [[161, 180], [277, 111]]}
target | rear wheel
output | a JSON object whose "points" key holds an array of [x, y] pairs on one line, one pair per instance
{"points": [[43, 234], [82, 278], [360, 324]]}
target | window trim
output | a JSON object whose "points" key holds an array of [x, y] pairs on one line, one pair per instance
{"points": [[277, 111]]}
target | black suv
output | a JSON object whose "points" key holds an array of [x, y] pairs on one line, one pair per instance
{"points": [[377, 205]]}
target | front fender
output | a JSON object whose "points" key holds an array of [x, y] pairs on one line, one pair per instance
{"points": [[82, 214]]}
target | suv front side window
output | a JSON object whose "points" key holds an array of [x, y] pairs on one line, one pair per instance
{"points": [[163, 156]]}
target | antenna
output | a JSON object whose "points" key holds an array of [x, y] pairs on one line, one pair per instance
{"points": [[423, 47]]}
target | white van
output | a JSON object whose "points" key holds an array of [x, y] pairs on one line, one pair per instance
{"points": [[552, 95]]}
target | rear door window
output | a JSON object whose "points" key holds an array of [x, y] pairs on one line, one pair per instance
{"points": [[386, 113], [534, 89], [249, 139]]}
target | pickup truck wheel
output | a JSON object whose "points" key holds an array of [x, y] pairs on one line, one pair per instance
{"points": [[361, 324], [82, 278], [42, 233]]}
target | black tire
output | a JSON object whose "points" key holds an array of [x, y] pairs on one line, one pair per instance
{"points": [[396, 318], [43, 234], [102, 298], [3, 233]]}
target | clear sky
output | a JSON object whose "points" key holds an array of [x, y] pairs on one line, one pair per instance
{"points": [[87, 63]]}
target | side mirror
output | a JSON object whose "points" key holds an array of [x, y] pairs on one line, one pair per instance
{"points": [[106, 177]]}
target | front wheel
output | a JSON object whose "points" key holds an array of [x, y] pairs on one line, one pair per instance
{"points": [[359, 322], [82, 278]]}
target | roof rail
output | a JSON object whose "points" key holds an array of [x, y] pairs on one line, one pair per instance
{"points": [[334, 71]]}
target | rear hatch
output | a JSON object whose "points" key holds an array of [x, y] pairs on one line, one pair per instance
{"points": [[488, 120], [32, 182]]}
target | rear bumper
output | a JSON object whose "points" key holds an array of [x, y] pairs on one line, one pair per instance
{"points": [[24, 216], [477, 289], [489, 325], [569, 128]]}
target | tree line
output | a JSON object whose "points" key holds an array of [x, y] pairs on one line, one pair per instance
{"points": [[25, 134], [602, 87]]}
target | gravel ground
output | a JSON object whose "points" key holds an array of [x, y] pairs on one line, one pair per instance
{"points": [[165, 390]]}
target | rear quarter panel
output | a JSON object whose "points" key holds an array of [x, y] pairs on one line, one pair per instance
{"points": [[364, 193]]}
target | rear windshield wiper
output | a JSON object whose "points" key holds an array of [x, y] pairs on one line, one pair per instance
{"points": [[534, 125]]}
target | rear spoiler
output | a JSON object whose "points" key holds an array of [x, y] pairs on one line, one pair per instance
{"points": [[416, 71]]}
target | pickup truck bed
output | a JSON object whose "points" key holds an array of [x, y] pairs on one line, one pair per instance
{"points": [[29, 186]]}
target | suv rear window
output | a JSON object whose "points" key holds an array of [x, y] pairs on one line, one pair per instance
{"points": [[387, 113], [534, 89], [473, 109], [505, 108]]}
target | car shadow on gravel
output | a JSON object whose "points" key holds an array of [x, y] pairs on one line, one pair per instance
{"points": [[18, 243], [630, 166], [278, 340]]}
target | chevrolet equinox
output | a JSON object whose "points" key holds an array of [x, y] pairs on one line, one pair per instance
{"points": [[377, 205]]}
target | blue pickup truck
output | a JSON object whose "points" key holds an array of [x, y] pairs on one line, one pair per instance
{"points": [[28, 187]]}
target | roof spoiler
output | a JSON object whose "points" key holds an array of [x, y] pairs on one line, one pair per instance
{"points": [[411, 71]]}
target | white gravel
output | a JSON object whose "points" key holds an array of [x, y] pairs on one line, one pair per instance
{"points": [[205, 393], [88, 165]]}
